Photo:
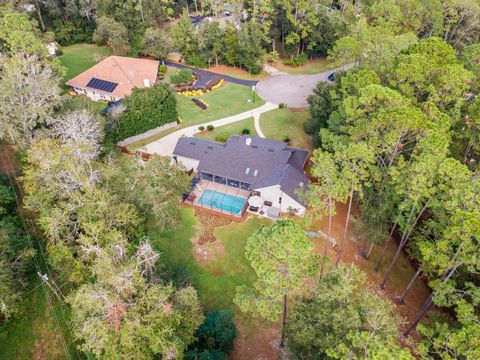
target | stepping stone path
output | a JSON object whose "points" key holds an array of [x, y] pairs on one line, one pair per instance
{"points": [[210, 222]]}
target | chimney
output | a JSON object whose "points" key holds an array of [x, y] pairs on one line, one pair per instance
{"points": [[248, 141], [146, 83]]}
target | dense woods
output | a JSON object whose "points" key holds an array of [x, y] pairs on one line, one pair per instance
{"points": [[397, 139]]}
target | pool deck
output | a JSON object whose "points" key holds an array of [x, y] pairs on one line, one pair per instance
{"points": [[203, 185]]}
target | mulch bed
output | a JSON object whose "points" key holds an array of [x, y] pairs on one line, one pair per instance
{"points": [[210, 222]]}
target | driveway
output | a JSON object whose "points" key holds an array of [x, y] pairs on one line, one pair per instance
{"points": [[292, 90], [166, 144], [205, 75]]}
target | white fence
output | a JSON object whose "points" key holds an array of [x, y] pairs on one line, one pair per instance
{"points": [[147, 134]]}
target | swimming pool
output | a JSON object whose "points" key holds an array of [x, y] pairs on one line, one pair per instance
{"points": [[222, 201]]}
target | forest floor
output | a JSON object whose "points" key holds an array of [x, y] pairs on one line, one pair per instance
{"points": [[216, 267], [311, 66], [237, 72], [400, 276]]}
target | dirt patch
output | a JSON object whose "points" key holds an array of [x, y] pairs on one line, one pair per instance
{"points": [[48, 343], [236, 72], [205, 252], [255, 340], [401, 275], [6, 159]]}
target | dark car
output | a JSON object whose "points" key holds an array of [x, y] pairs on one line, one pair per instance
{"points": [[331, 77]]}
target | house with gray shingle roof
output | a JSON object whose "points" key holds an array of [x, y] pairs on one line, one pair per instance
{"points": [[255, 166]]}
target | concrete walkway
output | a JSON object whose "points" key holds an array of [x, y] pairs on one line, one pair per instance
{"points": [[256, 123], [166, 144], [272, 70], [290, 89]]}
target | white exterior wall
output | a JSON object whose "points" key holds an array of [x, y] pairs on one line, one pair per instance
{"points": [[273, 194], [189, 163], [95, 95]]}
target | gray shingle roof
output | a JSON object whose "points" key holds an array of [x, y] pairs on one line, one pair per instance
{"points": [[261, 163]]}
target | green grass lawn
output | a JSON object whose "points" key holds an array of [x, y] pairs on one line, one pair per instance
{"points": [[279, 123], [79, 57], [228, 100], [222, 133], [35, 335], [215, 284], [314, 66]]}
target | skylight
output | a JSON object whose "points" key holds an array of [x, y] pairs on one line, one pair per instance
{"points": [[247, 171], [255, 173]]}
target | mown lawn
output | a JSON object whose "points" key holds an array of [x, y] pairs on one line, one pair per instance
{"points": [[313, 66], [79, 57], [228, 100], [34, 334], [215, 284], [222, 133], [278, 124]]}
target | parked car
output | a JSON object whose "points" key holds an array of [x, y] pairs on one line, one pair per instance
{"points": [[331, 77]]}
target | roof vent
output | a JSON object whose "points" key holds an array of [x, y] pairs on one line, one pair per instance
{"points": [[255, 146], [270, 149], [146, 82], [255, 173], [248, 141], [210, 147], [192, 143]]}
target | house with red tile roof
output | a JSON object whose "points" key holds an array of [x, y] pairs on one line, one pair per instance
{"points": [[114, 78]]}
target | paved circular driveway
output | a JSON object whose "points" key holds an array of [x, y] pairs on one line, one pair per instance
{"points": [[292, 90]]}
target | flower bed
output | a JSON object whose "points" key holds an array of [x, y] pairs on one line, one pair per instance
{"points": [[200, 103]]}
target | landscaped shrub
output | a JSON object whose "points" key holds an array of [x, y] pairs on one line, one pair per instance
{"points": [[282, 105], [182, 77], [200, 103], [201, 128], [146, 108], [273, 57], [296, 61], [162, 69], [245, 131], [287, 139], [221, 138], [210, 127]]}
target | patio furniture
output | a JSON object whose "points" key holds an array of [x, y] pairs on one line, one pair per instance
{"points": [[253, 208], [267, 203], [191, 197], [255, 201]]}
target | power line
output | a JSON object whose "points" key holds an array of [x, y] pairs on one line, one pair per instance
{"points": [[8, 165]]}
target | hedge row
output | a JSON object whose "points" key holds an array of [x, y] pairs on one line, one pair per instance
{"points": [[147, 108]]}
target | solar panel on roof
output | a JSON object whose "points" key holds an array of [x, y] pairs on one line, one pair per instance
{"points": [[102, 85]]}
